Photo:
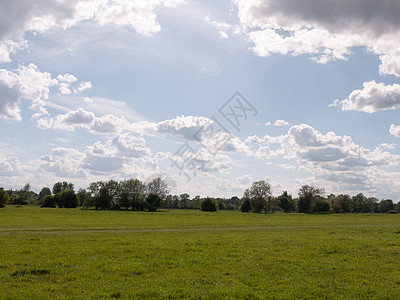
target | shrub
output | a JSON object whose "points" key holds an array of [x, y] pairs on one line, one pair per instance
{"points": [[208, 205], [49, 201], [246, 206]]}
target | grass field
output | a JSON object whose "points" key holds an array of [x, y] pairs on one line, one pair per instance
{"points": [[79, 254]]}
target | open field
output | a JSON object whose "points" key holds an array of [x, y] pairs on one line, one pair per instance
{"points": [[77, 254]]}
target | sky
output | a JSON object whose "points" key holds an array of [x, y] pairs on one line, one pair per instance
{"points": [[208, 95]]}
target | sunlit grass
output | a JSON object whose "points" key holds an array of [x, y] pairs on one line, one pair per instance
{"points": [[288, 257]]}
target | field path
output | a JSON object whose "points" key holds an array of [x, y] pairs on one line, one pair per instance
{"points": [[188, 229]]}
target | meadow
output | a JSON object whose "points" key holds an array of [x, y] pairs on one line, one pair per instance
{"points": [[79, 254]]}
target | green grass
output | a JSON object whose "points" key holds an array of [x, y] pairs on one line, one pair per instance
{"points": [[79, 254]]}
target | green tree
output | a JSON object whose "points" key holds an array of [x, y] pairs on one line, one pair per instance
{"points": [[25, 194], [286, 202], [208, 205], [4, 198], [320, 205], [43, 193], [58, 187], [385, 205], [307, 195], [184, 201], [132, 193], [67, 199], [246, 206], [359, 201], [342, 204], [259, 196], [158, 187], [49, 201], [153, 202]]}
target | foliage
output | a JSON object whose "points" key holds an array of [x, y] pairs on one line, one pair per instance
{"points": [[342, 204], [66, 199], [286, 203], [4, 198], [246, 206], [320, 205], [43, 193], [307, 195], [49, 201], [158, 187], [153, 202], [58, 187], [131, 193], [260, 196], [208, 205]]}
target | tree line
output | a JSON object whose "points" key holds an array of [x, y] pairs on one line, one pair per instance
{"points": [[133, 194]]}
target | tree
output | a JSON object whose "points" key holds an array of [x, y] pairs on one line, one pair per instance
{"points": [[342, 204], [320, 205], [158, 187], [104, 194], [153, 202], [358, 202], [307, 194], [184, 201], [131, 193], [286, 202], [43, 193], [259, 196], [25, 194], [67, 199], [246, 206], [4, 198], [386, 205], [58, 187], [83, 197], [208, 205]]}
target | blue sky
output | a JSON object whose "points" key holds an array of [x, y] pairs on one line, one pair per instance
{"points": [[112, 89]]}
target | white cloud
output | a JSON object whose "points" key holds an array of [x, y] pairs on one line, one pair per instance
{"points": [[64, 88], [183, 126], [69, 78], [80, 118], [18, 17], [395, 130], [373, 97], [83, 86], [9, 96], [9, 166], [326, 30], [280, 123]]}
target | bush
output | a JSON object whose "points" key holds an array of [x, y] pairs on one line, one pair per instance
{"points": [[67, 199], [246, 206], [49, 201], [208, 205]]}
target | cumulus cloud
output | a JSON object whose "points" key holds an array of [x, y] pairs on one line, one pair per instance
{"points": [[25, 82], [373, 97], [18, 17], [395, 130], [326, 30], [9, 166], [9, 95], [80, 118]]}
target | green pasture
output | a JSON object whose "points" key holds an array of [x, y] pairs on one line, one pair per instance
{"points": [[182, 254]]}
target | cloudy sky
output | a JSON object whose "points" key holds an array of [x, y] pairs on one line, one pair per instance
{"points": [[114, 89]]}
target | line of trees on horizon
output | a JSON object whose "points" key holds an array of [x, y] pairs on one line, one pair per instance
{"points": [[135, 195]]}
